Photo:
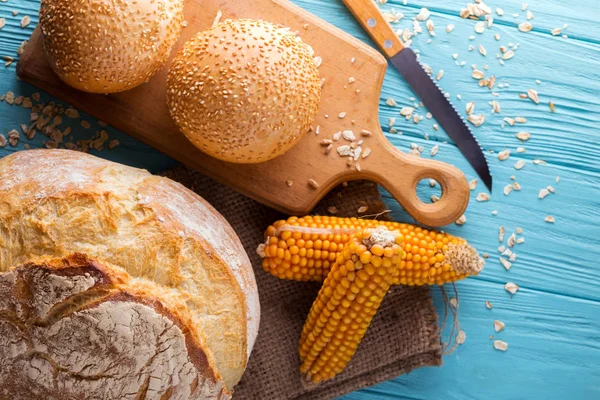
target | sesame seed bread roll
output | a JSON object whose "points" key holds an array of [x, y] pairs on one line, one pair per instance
{"points": [[58, 202], [108, 46], [244, 91], [76, 328]]}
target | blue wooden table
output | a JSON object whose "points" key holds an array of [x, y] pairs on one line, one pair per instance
{"points": [[553, 321]]}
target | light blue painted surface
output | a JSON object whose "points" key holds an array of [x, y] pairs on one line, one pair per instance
{"points": [[553, 322]]}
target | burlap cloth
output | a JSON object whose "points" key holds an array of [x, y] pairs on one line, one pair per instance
{"points": [[403, 335]]}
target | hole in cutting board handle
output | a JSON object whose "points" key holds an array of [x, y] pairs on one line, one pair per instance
{"points": [[426, 192]]}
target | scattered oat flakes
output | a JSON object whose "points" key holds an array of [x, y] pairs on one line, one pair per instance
{"points": [[470, 107], [505, 263], [533, 95], [363, 209], [496, 106], [550, 219], [72, 113], [511, 288], [439, 75], [473, 184], [520, 240], [318, 61], [477, 74], [407, 112], [450, 28], [497, 36], [519, 164], [488, 305], [430, 27], [511, 240], [495, 212], [461, 337], [521, 120], [482, 197], [523, 136], [313, 183], [332, 210], [556, 31], [557, 179], [480, 27], [391, 102], [349, 135], [435, 199], [25, 21], [114, 143], [454, 302], [434, 150], [476, 120], [507, 189], [498, 325], [500, 345], [461, 220], [13, 137], [551, 105], [508, 55], [501, 234], [503, 155], [482, 50], [2, 22], [543, 193], [342, 115], [423, 14]]}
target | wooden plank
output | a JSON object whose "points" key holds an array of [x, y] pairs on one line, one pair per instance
{"points": [[544, 360]]}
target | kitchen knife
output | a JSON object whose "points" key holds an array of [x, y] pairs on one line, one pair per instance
{"points": [[405, 61]]}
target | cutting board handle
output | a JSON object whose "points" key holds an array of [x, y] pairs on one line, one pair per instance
{"points": [[400, 173], [372, 20]]}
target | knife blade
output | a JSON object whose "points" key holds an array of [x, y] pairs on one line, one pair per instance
{"points": [[405, 61], [444, 112]]}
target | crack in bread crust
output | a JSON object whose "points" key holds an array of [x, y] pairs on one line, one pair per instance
{"points": [[103, 339]]}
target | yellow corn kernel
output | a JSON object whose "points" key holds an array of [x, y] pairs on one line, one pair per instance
{"points": [[347, 302], [430, 257]]}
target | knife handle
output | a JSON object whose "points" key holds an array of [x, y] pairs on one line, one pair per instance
{"points": [[369, 16]]}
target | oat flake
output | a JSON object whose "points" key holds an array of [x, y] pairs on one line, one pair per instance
{"points": [[511, 287], [498, 325], [500, 345]]}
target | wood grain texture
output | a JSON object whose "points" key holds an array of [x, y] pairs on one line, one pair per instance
{"points": [[143, 113], [552, 322]]}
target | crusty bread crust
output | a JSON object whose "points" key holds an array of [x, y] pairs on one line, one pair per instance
{"points": [[56, 202], [76, 327]]}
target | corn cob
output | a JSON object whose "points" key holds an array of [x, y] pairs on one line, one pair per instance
{"points": [[304, 249], [350, 296]]}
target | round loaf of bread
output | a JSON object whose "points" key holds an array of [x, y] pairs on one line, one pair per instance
{"points": [[107, 46], [57, 202], [83, 329], [244, 91]]}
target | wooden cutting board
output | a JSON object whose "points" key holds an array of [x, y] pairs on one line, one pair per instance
{"points": [[353, 75]]}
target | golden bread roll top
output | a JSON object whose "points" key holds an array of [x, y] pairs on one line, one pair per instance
{"points": [[244, 91], [107, 46]]}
